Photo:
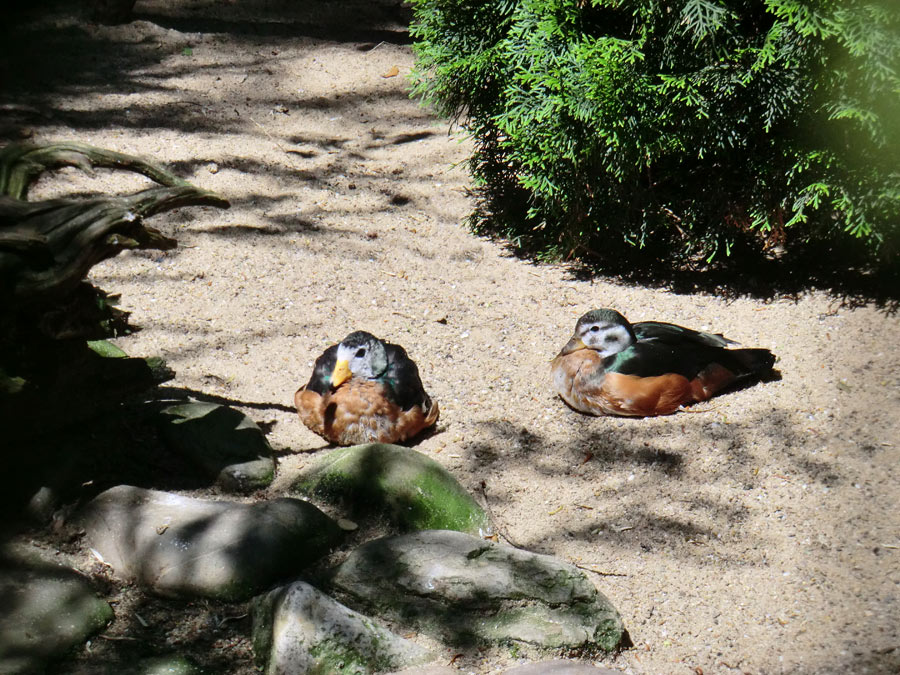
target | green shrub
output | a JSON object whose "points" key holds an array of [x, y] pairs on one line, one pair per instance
{"points": [[679, 130]]}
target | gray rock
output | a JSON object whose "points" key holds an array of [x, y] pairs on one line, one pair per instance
{"points": [[297, 629], [416, 492], [168, 664], [45, 612], [427, 670], [179, 546], [171, 664], [42, 504], [557, 667], [465, 590], [222, 442], [560, 667]]}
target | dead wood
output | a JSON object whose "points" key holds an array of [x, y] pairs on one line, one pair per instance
{"points": [[47, 248]]}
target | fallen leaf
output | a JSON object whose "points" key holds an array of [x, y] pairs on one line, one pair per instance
{"points": [[393, 72]]}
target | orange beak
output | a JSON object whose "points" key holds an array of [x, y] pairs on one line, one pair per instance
{"points": [[340, 374], [572, 345]]}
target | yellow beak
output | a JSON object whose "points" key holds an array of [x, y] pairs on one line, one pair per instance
{"points": [[572, 345], [340, 374]]}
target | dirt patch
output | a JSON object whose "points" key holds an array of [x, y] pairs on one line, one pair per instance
{"points": [[757, 533]]}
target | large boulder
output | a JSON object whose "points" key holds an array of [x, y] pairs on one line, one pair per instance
{"points": [[44, 613], [465, 590], [180, 546], [297, 629], [170, 664], [556, 667], [414, 491], [226, 445], [560, 667]]}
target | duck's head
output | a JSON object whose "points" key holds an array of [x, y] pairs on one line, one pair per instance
{"points": [[360, 354], [603, 330]]}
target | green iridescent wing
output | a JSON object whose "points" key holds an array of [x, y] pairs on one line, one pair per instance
{"points": [[687, 357]]}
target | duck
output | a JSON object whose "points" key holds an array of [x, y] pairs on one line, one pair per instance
{"points": [[613, 367], [365, 390]]}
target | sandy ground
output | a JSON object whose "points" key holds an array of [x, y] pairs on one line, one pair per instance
{"points": [[756, 534]]}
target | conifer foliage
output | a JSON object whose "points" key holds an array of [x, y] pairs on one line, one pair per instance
{"points": [[688, 130]]}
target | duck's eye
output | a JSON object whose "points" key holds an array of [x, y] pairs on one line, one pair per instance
{"points": [[611, 338], [360, 353], [594, 329]]}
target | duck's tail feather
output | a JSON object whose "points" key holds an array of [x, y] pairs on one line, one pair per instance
{"points": [[754, 361]]}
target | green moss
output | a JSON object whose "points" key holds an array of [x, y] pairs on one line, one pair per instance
{"points": [[609, 633], [10, 384], [432, 500], [103, 614], [334, 656], [262, 631], [416, 492]]}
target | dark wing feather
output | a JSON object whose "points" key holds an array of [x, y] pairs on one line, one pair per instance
{"points": [[652, 358], [402, 379], [674, 335], [320, 381]]}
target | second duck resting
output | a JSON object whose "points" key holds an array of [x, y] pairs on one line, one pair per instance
{"points": [[611, 367]]}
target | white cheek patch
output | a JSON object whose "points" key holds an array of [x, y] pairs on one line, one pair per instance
{"points": [[620, 333], [610, 339]]}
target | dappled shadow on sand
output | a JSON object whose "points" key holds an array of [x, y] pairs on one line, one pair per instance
{"points": [[634, 486], [47, 63], [47, 53], [365, 22], [345, 168]]}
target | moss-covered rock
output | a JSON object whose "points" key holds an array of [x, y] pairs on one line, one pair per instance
{"points": [[45, 611], [413, 490], [298, 629], [170, 664], [465, 591]]}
